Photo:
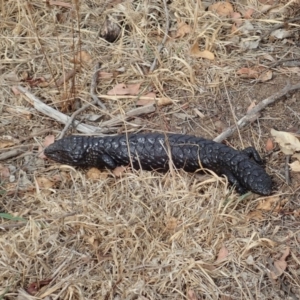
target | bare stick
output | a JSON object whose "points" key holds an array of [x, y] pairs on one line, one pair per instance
{"points": [[94, 86], [13, 153], [253, 113], [162, 44], [81, 127], [287, 170], [277, 26]]}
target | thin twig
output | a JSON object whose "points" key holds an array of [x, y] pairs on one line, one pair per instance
{"points": [[94, 86], [162, 44], [81, 127], [278, 26], [253, 113], [287, 170], [13, 153]]}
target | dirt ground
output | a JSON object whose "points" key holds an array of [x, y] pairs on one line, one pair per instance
{"points": [[69, 233]]}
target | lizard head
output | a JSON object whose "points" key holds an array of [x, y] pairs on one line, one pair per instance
{"points": [[69, 150]]}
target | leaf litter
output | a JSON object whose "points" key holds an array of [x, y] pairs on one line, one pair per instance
{"points": [[139, 226]]}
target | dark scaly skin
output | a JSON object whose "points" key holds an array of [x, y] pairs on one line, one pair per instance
{"points": [[151, 151]]}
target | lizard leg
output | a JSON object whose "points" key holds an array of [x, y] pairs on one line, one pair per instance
{"points": [[233, 181], [253, 154]]}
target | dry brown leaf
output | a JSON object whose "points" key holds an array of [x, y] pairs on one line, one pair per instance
{"points": [[265, 76], [164, 101], [248, 13], [195, 52], [223, 9], [4, 172], [270, 202], [123, 89], [269, 145], [119, 171], [295, 166], [82, 57], [256, 215], [237, 18], [253, 103], [182, 29], [288, 143], [281, 264], [34, 287], [223, 253], [6, 141], [44, 183], [96, 174], [191, 295], [47, 141], [151, 99], [15, 90]]}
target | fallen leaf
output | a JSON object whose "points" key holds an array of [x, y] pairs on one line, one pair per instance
{"points": [[252, 105], [34, 287], [164, 101], [182, 29], [269, 145], [266, 76], [122, 89], [223, 9], [4, 172], [281, 33], [248, 13], [44, 183], [119, 171], [256, 215], [191, 295], [15, 90], [47, 141], [237, 18], [288, 143], [281, 264], [271, 203], [258, 72], [295, 166], [96, 174], [249, 44], [82, 57], [223, 253], [195, 52]]}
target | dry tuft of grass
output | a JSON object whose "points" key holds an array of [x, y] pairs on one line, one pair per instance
{"points": [[144, 235]]}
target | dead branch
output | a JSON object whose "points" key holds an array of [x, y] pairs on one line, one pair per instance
{"points": [[81, 127], [253, 113]]}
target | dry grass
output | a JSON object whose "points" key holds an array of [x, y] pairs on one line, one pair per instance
{"points": [[144, 235]]}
